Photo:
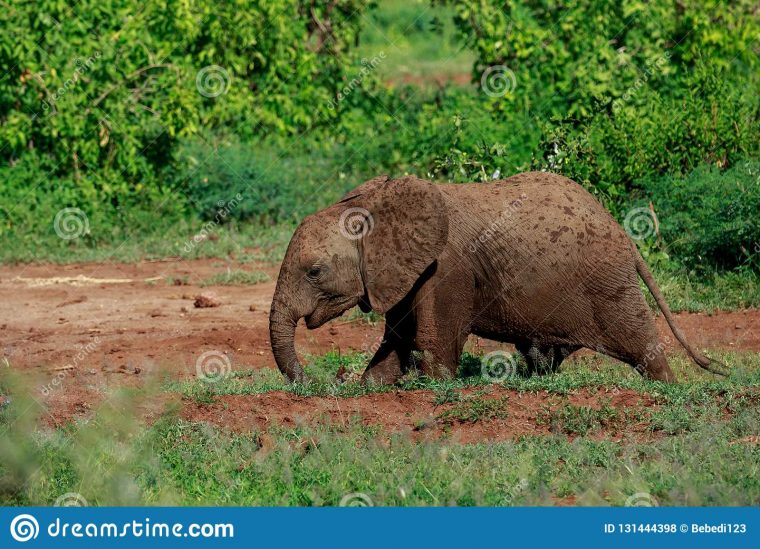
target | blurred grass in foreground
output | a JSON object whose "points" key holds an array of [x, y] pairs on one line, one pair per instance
{"points": [[703, 454]]}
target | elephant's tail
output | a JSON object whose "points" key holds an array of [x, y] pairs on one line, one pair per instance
{"points": [[711, 365]]}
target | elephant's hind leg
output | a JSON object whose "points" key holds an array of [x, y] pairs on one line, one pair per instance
{"points": [[544, 359], [627, 332]]}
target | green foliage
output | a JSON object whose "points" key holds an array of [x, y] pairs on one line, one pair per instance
{"points": [[709, 217], [30, 200], [620, 90], [712, 121], [110, 84], [419, 42], [472, 409], [569, 57], [234, 278], [571, 419], [266, 181], [613, 96]]}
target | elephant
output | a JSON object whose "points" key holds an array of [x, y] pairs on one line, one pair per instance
{"points": [[533, 260]]}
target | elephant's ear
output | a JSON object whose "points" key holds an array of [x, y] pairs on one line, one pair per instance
{"points": [[408, 230]]}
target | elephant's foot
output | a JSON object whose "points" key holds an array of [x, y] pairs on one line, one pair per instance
{"points": [[436, 366], [388, 365], [544, 359], [386, 372], [654, 366]]}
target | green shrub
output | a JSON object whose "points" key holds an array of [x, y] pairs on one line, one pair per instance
{"points": [[620, 90], [265, 181], [710, 217], [568, 57], [43, 215], [713, 121], [113, 84]]}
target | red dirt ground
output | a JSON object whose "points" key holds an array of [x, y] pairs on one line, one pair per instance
{"points": [[415, 413], [79, 329]]}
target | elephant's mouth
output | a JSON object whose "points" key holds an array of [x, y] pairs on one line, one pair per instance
{"points": [[323, 314], [310, 323]]}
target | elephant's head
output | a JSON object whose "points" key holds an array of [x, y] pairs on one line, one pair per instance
{"points": [[368, 250]]}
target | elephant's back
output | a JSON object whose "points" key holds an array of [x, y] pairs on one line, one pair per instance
{"points": [[544, 209], [541, 243]]}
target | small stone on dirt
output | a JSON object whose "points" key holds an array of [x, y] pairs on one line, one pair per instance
{"points": [[204, 301], [251, 308]]}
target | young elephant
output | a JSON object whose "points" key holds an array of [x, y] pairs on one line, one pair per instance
{"points": [[532, 260]]}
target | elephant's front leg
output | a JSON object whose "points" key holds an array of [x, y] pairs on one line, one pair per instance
{"points": [[444, 320], [393, 356]]}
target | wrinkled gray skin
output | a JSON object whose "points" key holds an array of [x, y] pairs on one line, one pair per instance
{"points": [[532, 260]]}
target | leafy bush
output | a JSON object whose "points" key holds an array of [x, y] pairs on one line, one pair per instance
{"points": [[34, 206], [266, 181], [113, 84], [710, 218], [713, 121], [620, 90], [569, 57]]}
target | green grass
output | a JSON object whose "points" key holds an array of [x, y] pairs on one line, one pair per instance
{"points": [[696, 457], [591, 372], [472, 409], [715, 291], [235, 278], [571, 419], [248, 241]]}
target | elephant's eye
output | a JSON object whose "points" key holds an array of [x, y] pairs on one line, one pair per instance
{"points": [[314, 271]]}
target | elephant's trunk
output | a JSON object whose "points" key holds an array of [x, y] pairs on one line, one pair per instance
{"points": [[282, 331]]}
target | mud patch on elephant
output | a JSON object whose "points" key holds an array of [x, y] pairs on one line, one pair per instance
{"points": [[467, 416]]}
